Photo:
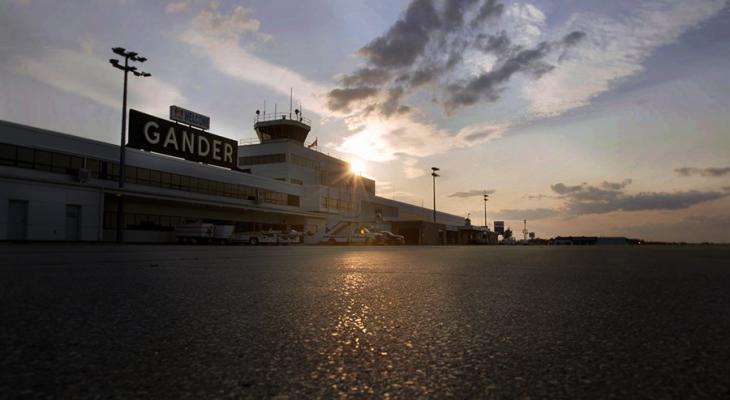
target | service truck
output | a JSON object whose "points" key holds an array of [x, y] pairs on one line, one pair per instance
{"points": [[268, 237]]}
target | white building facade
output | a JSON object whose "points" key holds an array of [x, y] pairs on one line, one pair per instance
{"points": [[60, 187]]}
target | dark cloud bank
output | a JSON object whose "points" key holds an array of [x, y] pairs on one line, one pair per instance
{"points": [[705, 172], [427, 43], [610, 197]]}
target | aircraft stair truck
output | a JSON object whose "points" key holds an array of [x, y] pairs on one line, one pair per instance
{"points": [[337, 233]]}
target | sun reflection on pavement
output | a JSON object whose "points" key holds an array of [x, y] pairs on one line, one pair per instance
{"points": [[371, 344], [353, 337]]}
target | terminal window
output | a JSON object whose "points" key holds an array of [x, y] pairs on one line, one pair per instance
{"points": [[25, 157], [262, 159], [305, 162]]}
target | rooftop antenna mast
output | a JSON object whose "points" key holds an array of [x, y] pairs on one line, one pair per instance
{"points": [[291, 96]]}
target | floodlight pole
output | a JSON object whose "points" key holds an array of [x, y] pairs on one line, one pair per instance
{"points": [[434, 175], [123, 146], [486, 198]]}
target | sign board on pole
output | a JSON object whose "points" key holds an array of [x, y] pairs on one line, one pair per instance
{"points": [[180, 114], [150, 133], [499, 227]]}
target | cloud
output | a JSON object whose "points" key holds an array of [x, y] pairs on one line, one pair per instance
{"points": [[392, 103], [607, 191], [539, 196], [227, 27], [228, 41], [528, 214], [587, 199], [365, 77], [490, 8], [610, 196], [616, 185], [472, 193], [465, 53], [406, 39], [342, 99], [427, 46], [488, 86], [561, 188], [613, 48], [179, 6], [524, 23], [411, 170], [645, 201], [498, 44], [704, 172], [574, 38], [84, 74], [377, 139], [461, 52]]}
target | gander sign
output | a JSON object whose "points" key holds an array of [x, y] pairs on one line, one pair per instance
{"points": [[156, 134]]}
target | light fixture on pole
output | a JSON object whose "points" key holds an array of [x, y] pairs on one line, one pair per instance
{"points": [[486, 199], [434, 175], [133, 56]]}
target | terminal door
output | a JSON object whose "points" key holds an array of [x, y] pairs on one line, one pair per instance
{"points": [[17, 220], [73, 223]]}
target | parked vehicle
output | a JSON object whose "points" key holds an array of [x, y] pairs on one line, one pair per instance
{"points": [[223, 233], [196, 232], [203, 232], [363, 236], [391, 238], [508, 241], [268, 237]]}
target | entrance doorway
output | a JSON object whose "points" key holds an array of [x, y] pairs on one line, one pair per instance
{"points": [[17, 220], [73, 222]]}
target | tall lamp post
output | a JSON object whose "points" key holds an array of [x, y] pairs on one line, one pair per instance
{"points": [[486, 199], [133, 56], [434, 175]]}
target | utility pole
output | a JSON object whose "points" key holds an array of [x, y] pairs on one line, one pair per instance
{"points": [[434, 175], [486, 198], [128, 55]]}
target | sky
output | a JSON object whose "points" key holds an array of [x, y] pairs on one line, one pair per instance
{"points": [[582, 117]]}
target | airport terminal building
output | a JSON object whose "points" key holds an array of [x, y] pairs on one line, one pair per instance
{"points": [[60, 187]]}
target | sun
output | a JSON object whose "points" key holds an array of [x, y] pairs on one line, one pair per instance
{"points": [[357, 166]]}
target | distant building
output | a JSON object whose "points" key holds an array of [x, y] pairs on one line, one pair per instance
{"points": [[612, 241], [590, 241]]}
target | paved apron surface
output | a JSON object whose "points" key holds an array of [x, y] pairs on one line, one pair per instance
{"points": [[105, 321]]}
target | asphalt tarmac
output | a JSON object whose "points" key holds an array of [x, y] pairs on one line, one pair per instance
{"points": [[105, 321]]}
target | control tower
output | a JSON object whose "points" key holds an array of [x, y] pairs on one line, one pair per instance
{"points": [[282, 126]]}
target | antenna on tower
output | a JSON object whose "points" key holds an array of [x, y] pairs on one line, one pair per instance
{"points": [[264, 108], [291, 96], [524, 231]]}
